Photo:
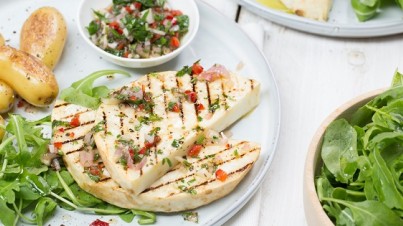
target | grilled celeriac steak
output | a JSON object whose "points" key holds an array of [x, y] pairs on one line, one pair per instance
{"points": [[220, 166], [162, 116], [313, 9]]}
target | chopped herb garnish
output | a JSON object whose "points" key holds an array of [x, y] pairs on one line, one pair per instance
{"points": [[199, 118], [185, 70], [176, 143], [191, 216], [99, 126], [167, 161], [216, 105], [236, 154]]}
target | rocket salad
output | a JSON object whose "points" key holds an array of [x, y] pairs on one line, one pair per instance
{"points": [[361, 181], [367, 9], [138, 28]]}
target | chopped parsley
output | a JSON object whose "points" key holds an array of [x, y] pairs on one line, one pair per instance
{"points": [[214, 106], [167, 161], [191, 216], [176, 143]]}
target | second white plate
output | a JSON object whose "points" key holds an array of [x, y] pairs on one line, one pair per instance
{"points": [[342, 20]]}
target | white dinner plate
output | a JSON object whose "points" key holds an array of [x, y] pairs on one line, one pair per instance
{"points": [[342, 20], [219, 40]]}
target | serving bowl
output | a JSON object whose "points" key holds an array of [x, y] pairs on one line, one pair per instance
{"points": [[85, 16], [314, 213]]}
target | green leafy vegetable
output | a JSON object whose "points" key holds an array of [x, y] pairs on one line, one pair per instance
{"points": [[361, 181], [82, 92]]}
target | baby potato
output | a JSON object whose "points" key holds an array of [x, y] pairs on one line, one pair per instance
{"points": [[43, 35], [6, 97], [31, 79], [2, 132]]}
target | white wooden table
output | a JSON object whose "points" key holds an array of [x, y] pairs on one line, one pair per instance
{"points": [[315, 75]]}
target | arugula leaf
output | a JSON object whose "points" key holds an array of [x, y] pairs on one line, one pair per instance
{"points": [[7, 215], [397, 79], [8, 189], [43, 209], [82, 92]]}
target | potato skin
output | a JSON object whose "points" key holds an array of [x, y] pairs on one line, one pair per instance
{"points": [[43, 35], [6, 97], [2, 131], [31, 79]]}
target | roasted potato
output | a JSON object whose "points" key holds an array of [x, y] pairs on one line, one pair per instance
{"points": [[30, 78], [2, 131], [6, 92], [43, 35]]}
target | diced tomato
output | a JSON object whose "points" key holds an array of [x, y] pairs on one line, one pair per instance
{"points": [[128, 9], [192, 96], [169, 17], [75, 121], [94, 170], [200, 107], [61, 129], [142, 150], [175, 42], [71, 135], [57, 145], [137, 5], [197, 69], [126, 54], [195, 150], [176, 12], [131, 153], [133, 98], [99, 223], [221, 175]]}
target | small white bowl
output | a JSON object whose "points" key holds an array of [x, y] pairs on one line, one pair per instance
{"points": [[314, 213], [85, 16]]}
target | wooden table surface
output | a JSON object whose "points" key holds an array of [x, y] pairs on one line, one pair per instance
{"points": [[315, 75]]}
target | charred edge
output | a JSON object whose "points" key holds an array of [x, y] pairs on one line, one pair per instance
{"points": [[77, 113], [106, 179], [252, 84], [180, 102], [149, 88], [226, 149], [194, 90], [61, 105], [104, 119], [165, 98], [73, 140], [122, 132], [224, 100], [82, 124], [208, 95], [190, 175], [75, 151]]}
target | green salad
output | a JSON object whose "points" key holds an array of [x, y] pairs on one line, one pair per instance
{"points": [[367, 9], [361, 180]]}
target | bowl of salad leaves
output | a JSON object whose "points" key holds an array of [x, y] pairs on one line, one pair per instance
{"points": [[354, 167], [138, 33]]}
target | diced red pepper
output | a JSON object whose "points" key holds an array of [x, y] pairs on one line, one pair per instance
{"points": [[61, 129], [57, 145], [175, 108], [126, 54], [71, 135], [200, 107], [115, 25], [197, 69], [120, 46], [175, 42], [99, 223], [176, 12], [221, 175], [131, 153], [75, 121], [192, 96], [195, 150]]}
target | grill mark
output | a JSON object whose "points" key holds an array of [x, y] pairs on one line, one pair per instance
{"points": [[61, 105], [103, 180], [82, 124], [252, 85], [73, 140], [208, 95], [165, 98], [224, 100], [215, 179], [194, 90], [190, 175], [180, 102], [75, 151], [105, 123], [121, 123], [77, 113]]}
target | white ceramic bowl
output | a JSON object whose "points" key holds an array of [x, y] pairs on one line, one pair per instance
{"points": [[314, 213], [85, 16]]}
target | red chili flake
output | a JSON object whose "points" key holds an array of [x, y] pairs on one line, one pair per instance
{"points": [[221, 175], [20, 104], [98, 222], [58, 145], [195, 150], [75, 121], [192, 96]]}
